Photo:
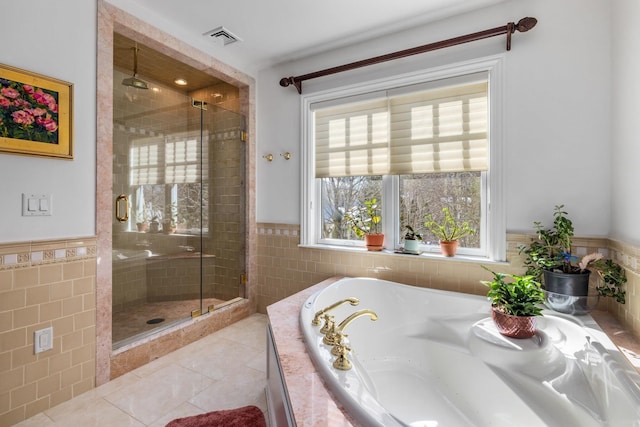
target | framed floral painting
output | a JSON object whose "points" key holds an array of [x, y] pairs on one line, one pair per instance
{"points": [[35, 114]]}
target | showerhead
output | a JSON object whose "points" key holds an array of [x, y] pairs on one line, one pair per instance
{"points": [[134, 81]]}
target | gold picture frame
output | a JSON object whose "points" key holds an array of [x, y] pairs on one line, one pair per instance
{"points": [[35, 114]]}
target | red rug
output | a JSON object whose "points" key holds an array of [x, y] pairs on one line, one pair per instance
{"points": [[248, 416]]}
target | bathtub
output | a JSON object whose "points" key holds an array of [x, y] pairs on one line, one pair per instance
{"points": [[435, 359]]}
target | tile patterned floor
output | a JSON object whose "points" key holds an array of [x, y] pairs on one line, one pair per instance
{"points": [[224, 370]]}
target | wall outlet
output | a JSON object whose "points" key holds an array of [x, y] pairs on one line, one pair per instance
{"points": [[43, 340]]}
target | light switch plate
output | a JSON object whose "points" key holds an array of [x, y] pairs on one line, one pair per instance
{"points": [[43, 340], [36, 204]]}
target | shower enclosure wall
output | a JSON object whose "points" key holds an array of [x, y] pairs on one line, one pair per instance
{"points": [[178, 191]]}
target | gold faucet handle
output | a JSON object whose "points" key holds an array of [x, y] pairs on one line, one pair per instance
{"points": [[328, 324], [340, 346], [341, 362], [330, 336]]}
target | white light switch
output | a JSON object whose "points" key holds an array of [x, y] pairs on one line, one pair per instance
{"points": [[36, 204]]}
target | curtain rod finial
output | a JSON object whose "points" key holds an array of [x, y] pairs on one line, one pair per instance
{"points": [[286, 81], [525, 24]]}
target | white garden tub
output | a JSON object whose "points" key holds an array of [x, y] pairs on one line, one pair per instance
{"points": [[434, 358]]}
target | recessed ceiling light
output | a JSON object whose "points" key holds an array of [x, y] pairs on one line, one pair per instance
{"points": [[180, 82]]}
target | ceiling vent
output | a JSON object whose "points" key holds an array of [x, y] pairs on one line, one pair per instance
{"points": [[223, 36]]}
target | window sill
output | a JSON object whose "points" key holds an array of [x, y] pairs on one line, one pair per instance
{"points": [[433, 256]]}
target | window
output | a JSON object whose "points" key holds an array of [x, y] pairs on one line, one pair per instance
{"points": [[416, 144], [168, 176]]}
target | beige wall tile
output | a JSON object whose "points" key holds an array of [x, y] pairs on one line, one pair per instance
{"points": [[25, 277], [13, 339], [6, 280], [35, 296], [26, 316], [23, 395], [71, 306], [38, 295], [50, 273], [72, 270], [50, 311], [61, 290], [49, 385], [12, 300], [6, 321], [36, 371]]}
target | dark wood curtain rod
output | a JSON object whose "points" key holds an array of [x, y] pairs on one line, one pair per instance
{"points": [[524, 25]]}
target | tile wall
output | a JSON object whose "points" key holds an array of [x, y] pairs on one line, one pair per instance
{"points": [[284, 268], [46, 284]]}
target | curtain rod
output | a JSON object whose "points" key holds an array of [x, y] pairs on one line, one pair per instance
{"points": [[524, 25]]}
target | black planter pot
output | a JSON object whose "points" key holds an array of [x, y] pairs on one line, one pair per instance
{"points": [[574, 284]]}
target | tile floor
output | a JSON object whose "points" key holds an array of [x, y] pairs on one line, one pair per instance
{"points": [[224, 370]]}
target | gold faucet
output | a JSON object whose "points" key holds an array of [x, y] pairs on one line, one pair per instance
{"points": [[339, 348], [334, 335], [319, 314]]}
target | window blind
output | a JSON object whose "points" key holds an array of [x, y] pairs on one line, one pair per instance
{"points": [[435, 130], [170, 160]]}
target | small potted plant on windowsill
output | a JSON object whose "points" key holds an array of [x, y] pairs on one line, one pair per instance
{"points": [[411, 240], [549, 258], [515, 303], [448, 231], [365, 221]]}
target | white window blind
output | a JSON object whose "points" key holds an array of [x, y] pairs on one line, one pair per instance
{"points": [[168, 160], [436, 130]]}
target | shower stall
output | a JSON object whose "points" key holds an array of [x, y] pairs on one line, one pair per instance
{"points": [[178, 193]]}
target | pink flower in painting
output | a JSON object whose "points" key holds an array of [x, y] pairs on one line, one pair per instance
{"points": [[22, 117], [37, 112], [4, 102], [48, 123], [28, 89], [21, 103], [10, 92], [46, 99]]}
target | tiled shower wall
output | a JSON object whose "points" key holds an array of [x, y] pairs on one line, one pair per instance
{"points": [[46, 284], [284, 268]]}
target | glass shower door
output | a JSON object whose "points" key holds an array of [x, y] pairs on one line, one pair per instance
{"points": [[223, 237]]}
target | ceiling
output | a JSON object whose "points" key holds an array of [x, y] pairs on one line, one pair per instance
{"points": [[156, 67], [274, 31]]}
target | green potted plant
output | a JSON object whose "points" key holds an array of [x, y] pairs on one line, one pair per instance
{"points": [[448, 231], [515, 303], [411, 240], [365, 221], [549, 258]]}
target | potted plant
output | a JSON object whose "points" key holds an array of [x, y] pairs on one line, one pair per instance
{"points": [[515, 303], [143, 216], [448, 231], [411, 240], [365, 221], [170, 219], [549, 258]]}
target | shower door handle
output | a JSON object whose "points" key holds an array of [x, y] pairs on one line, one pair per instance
{"points": [[119, 201]]}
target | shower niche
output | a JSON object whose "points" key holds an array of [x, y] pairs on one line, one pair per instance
{"points": [[178, 236]]}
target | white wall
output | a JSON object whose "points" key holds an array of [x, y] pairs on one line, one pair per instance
{"points": [[57, 39], [557, 126], [625, 139]]}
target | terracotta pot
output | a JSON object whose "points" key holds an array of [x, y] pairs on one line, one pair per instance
{"points": [[142, 226], [514, 326], [448, 248], [374, 242]]}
